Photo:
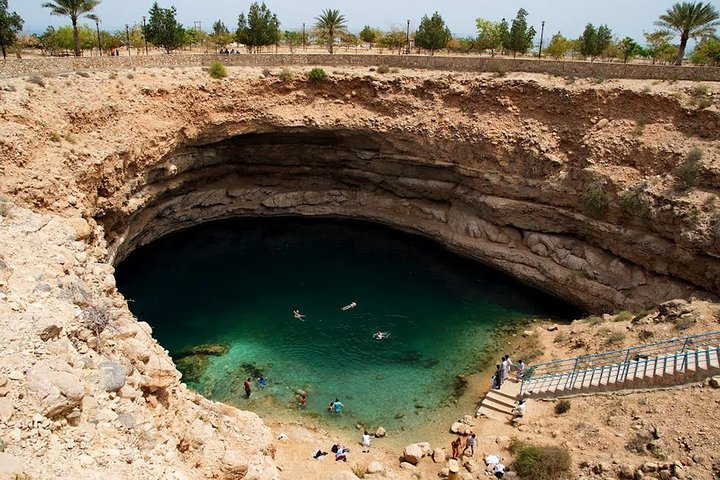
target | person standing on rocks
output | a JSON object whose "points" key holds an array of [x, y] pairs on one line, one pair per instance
{"points": [[497, 378], [456, 447], [470, 443], [505, 368], [248, 387]]}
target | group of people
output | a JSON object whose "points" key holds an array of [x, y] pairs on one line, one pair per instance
{"points": [[470, 443], [503, 369], [247, 384], [336, 407]]}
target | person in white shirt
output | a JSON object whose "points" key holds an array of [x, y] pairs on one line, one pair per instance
{"points": [[366, 441], [499, 470]]}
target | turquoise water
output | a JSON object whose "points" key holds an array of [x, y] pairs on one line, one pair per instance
{"points": [[238, 282]]}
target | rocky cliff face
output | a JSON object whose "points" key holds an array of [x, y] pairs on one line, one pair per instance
{"points": [[569, 187]]}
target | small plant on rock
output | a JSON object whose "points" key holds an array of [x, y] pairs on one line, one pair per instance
{"points": [[595, 200], [563, 406], [359, 470], [37, 80], [285, 75], [317, 75], [383, 69], [633, 201], [217, 70], [644, 335], [55, 137], [266, 72], [687, 173], [615, 338]]}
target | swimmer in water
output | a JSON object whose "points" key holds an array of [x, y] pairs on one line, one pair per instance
{"points": [[381, 335], [298, 314]]}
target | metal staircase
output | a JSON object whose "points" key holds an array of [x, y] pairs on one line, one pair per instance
{"points": [[662, 364]]}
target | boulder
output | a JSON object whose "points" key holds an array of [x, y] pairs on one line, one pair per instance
{"points": [[715, 382], [407, 466], [374, 467], [59, 392], [453, 466], [380, 432], [216, 349], [460, 428], [438, 455], [6, 409], [159, 378], [192, 367], [79, 227], [412, 453], [425, 447], [112, 376], [233, 465]]}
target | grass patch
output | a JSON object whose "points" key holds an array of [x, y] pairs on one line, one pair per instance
{"points": [[55, 137], [595, 200], [639, 443], [317, 75], [383, 69], [217, 70], [639, 127], [624, 316], [563, 406], [615, 338], [37, 80], [285, 75], [593, 320], [685, 322], [541, 462], [529, 348], [687, 173], [359, 470]]}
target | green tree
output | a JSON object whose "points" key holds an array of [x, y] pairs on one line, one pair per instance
{"points": [[594, 42], [163, 29], [659, 47], [707, 52], [329, 24], [394, 39], [461, 45], [73, 9], [521, 37], [193, 36], [559, 46], [292, 39], [690, 20], [259, 29], [349, 40], [432, 34], [370, 35], [10, 25], [489, 35], [220, 35], [629, 49]]}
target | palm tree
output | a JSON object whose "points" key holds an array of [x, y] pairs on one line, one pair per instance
{"points": [[690, 20], [72, 9], [330, 23]]}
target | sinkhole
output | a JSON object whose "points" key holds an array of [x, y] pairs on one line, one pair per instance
{"points": [[220, 297]]}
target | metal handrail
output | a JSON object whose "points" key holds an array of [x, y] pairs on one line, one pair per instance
{"points": [[622, 360]]}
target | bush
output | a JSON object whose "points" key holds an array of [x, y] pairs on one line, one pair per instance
{"points": [[266, 72], [633, 201], [359, 470], [55, 137], [82, 74], [688, 172], [645, 335], [317, 75], [37, 80], [595, 200], [285, 75], [383, 69], [541, 462], [624, 316], [615, 338], [563, 406], [593, 320], [217, 70]]}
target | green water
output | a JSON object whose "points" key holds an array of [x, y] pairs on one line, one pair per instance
{"points": [[238, 282]]}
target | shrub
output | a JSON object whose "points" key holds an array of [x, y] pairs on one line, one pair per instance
{"points": [[615, 338], [130, 76], [684, 322], [687, 173], [541, 462], [633, 201], [383, 69], [217, 70], [639, 443], [317, 75], [563, 406], [55, 137], [359, 470], [37, 80], [593, 320], [595, 200], [624, 316], [645, 335], [285, 75]]}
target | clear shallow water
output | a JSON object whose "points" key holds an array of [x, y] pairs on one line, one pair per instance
{"points": [[238, 282]]}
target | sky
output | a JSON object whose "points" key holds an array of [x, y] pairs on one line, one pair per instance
{"points": [[624, 17]]}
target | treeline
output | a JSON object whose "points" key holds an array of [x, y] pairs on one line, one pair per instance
{"points": [[259, 30]]}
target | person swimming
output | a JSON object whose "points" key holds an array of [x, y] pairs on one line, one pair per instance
{"points": [[381, 335], [349, 306], [298, 314]]}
